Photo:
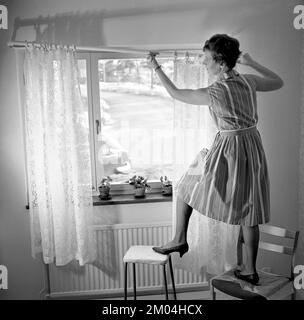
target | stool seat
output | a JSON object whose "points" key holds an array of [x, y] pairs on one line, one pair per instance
{"points": [[145, 254]]}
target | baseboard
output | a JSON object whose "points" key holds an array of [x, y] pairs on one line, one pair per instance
{"points": [[141, 293]]}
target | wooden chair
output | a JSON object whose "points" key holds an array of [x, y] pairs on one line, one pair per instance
{"points": [[271, 286]]}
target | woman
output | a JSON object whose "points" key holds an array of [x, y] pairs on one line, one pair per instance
{"points": [[232, 185]]}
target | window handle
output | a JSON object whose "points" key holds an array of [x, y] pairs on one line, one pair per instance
{"points": [[97, 126]]}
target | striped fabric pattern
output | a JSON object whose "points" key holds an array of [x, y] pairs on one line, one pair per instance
{"points": [[230, 181]]}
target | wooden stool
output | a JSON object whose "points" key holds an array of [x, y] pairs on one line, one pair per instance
{"points": [[145, 254]]}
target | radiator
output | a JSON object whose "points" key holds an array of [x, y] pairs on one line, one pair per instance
{"points": [[107, 274]]}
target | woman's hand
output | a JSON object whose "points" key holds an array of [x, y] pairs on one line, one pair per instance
{"points": [[268, 82], [152, 60], [245, 59]]}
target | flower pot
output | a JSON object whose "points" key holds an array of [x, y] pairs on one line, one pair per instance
{"points": [[104, 192], [167, 190], [140, 192]]}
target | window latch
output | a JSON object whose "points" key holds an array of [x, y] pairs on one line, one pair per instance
{"points": [[97, 126]]}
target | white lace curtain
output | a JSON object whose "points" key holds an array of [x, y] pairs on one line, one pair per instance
{"points": [[58, 157], [212, 244]]}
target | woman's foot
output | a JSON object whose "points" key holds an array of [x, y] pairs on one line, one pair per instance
{"points": [[240, 267], [252, 278], [172, 243], [170, 247]]}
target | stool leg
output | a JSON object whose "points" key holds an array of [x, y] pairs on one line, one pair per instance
{"points": [[165, 281], [126, 279], [172, 277], [134, 281], [213, 294]]}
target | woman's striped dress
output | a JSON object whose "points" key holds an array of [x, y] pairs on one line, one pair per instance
{"points": [[230, 181]]}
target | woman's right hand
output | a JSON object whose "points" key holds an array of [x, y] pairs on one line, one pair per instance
{"points": [[245, 59], [151, 60]]}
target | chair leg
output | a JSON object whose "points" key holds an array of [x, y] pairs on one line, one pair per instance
{"points": [[126, 279], [165, 281], [134, 281], [212, 291], [293, 296], [172, 277]]}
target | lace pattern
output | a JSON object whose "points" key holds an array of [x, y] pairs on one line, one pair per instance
{"points": [[58, 157]]}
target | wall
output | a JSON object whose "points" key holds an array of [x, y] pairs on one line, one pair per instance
{"points": [[264, 29]]}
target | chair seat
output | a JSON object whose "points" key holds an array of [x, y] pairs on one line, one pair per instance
{"points": [[268, 285], [234, 289], [145, 254]]}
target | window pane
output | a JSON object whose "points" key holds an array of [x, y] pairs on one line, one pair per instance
{"points": [[136, 120]]}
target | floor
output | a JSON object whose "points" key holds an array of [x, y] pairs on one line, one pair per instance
{"points": [[197, 295]]}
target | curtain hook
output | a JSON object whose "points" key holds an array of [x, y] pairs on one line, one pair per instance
{"points": [[175, 66], [187, 56], [175, 55], [200, 58]]}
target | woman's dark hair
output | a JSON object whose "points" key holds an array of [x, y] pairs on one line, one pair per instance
{"points": [[223, 49]]}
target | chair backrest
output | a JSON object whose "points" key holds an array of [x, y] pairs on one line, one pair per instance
{"points": [[282, 233]]}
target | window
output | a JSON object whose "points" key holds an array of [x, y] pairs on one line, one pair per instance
{"points": [[130, 116]]}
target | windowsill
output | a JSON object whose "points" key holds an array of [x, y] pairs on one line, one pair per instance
{"points": [[130, 199]]}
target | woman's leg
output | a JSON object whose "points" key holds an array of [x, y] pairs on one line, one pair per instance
{"points": [[239, 250], [251, 239], [183, 213]]}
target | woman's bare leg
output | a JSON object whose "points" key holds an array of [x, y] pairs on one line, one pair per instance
{"points": [[183, 213], [251, 239]]}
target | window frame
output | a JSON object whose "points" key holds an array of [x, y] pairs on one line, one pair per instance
{"points": [[94, 116], [86, 56]]}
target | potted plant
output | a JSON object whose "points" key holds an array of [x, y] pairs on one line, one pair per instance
{"points": [[166, 186], [140, 186], [104, 188]]}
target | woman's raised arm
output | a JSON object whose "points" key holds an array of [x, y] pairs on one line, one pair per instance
{"points": [[270, 80], [190, 96]]}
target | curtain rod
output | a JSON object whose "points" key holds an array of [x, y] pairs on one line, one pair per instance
{"points": [[22, 44]]}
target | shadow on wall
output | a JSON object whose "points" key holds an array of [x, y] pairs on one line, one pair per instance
{"points": [[67, 28], [106, 260]]}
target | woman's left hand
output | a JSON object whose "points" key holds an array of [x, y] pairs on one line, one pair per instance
{"points": [[245, 59]]}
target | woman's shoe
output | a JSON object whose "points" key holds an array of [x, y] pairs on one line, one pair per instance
{"points": [[251, 278], [182, 249]]}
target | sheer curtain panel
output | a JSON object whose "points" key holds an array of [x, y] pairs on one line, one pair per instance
{"points": [[58, 157]]}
